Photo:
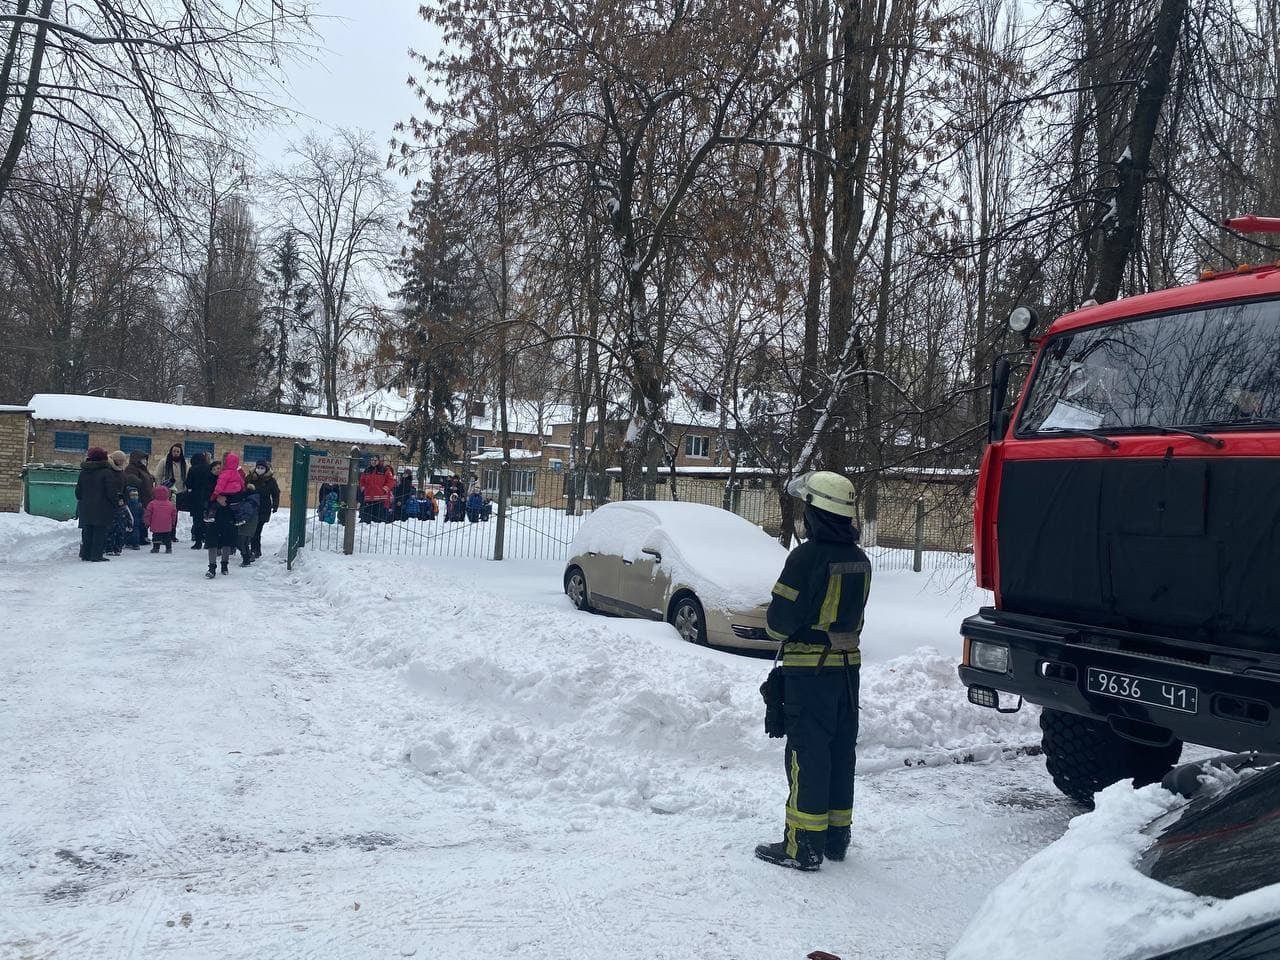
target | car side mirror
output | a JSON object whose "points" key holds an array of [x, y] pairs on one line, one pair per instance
{"points": [[657, 557]]}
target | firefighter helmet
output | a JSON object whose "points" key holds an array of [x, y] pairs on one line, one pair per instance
{"points": [[825, 490]]}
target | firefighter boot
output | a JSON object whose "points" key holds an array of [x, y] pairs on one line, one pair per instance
{"points": [[837, 843], [808, 852]]}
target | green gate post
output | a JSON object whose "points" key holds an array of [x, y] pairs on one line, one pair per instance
{"points": [[298, 494], [351, 507]]}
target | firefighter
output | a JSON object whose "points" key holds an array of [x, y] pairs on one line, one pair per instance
{"points": [[816, 614]]}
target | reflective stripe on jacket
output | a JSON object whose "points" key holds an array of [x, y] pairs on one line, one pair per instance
{"points": [[819, 601]]}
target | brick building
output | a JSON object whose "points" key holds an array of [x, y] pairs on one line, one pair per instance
{"points": [[14, 425], [65, 426]]}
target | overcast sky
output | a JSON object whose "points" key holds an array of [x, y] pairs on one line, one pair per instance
{"points": [[357, 78]]}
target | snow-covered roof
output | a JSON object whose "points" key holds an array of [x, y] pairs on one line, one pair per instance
{"points": [[383, 404], [707, 471], [681, 410], [729, 562], [10, 408], [490, 455], [176, 416], [686, 410], [523, 416]]}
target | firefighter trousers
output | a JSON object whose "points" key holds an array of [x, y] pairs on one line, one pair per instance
{"points": [[821, 706]]}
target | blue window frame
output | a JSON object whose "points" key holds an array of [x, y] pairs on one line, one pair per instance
{"points": [[130, 444], [70, 441], [191, 447], [254, 452]]}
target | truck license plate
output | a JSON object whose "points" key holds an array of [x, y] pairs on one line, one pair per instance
{"points": [[1157, 693]]}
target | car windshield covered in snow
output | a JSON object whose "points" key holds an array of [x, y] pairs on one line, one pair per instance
{"points": [[1213, 368]]}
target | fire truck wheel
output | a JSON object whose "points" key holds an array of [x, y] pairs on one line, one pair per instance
{"points": [[1085, 755]]}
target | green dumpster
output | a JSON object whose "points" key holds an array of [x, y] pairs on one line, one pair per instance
{"points": [[49, 490]]}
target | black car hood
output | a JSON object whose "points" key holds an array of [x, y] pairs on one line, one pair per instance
{"points": [[1225, 844]]}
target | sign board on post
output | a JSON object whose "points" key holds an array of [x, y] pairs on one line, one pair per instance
{"points": [[329, 469]]}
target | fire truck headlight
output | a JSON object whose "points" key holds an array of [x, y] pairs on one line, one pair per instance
{"points": [[989, 656]]}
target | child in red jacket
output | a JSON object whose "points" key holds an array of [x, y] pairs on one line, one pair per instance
{"points": [[161, 518]]}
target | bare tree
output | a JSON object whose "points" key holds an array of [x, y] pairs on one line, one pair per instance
{"points": [[137, 80], [339, 204]]}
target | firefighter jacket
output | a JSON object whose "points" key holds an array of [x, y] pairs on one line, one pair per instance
{"points": [[818, 602]]}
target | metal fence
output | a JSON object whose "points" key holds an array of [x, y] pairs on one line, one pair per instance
{"points": [[924, 527]]}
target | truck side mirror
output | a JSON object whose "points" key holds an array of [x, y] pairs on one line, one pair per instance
{"points": [[998, 417]]}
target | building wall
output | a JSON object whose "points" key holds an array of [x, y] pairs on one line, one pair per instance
{"points": [[562, 432], [108, 437], [13, 454]]}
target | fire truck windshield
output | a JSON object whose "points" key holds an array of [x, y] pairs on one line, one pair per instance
{"points": [[1216, 367]]}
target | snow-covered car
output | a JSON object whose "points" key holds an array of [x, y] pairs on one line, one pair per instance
{"points": [[706, 571], [1185, 871]]}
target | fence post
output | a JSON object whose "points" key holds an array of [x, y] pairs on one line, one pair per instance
{"points": [[297, 535], [353, 512], [917, 563], [504, 495]]}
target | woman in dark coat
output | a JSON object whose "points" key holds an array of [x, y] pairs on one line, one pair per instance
{"points": [[139, 476], [96, 490], [404, 490], [199, 488], [268, 488], [221, 536]]}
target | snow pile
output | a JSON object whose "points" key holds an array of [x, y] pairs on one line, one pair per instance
{"points": [[24, 538], [1084, 897], [914, 710], [728, 561], [520, 693]]}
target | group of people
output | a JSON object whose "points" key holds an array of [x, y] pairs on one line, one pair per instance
{"points": [[121, 504], [382, 497]]}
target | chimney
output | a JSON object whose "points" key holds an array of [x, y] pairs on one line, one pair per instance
{"points": [[180, 394]]}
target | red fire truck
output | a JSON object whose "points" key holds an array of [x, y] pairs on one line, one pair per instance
{"points": [[1128, 522]]}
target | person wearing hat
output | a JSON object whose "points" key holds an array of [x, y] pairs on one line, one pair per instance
{"points": [[97, 488], [816, 614], [268, 502]]}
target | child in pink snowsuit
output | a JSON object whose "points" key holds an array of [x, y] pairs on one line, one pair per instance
{"points": [[161, 518]]}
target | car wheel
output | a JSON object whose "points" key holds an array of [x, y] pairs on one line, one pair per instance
{"points": [[689, 620], [575, 587]]}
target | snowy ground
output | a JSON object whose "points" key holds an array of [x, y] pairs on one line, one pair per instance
{"points": [[420, 756]]}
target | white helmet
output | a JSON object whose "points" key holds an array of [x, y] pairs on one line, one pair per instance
{"points": [[825, 490]]}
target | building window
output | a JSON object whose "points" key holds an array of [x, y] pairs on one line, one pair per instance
{"points": [[191, 447], [70, 441], [519, 444], [475, 443], [697, 447], [136, 444], [254, 452], [555, 465], [477, 408], [707, 403], [522, 482]]}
